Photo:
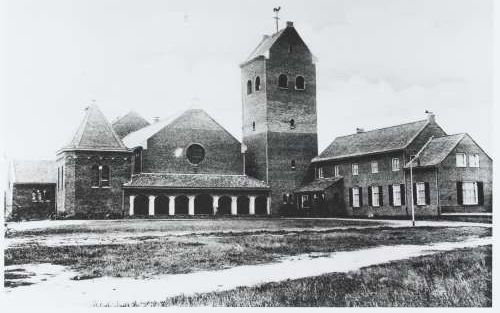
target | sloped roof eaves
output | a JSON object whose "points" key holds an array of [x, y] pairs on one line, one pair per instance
{"points": [[318, 184], [195, 181], [34, 172], [437, 150], [326, 155]]}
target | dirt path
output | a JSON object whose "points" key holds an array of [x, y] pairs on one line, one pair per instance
{"points": [[58, 290]]}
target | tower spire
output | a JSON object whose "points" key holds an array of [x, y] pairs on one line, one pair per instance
{"points": [[276, 17]]}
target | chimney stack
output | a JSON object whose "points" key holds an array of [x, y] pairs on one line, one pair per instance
{"points": [[431, 117], [360, 130], [156, 119]]}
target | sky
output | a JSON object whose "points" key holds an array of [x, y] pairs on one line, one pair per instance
{"points": [[380, 63]]}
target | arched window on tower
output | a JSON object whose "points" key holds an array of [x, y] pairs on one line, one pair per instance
{"points": [[300, 83], [293, 165], [292, 124], [257, 83], [283, 81], [249, 87], [105, 176], [95, 175], [253, 126]]}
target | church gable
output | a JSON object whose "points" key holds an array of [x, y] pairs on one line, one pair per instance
{"points": [[129, 123]]}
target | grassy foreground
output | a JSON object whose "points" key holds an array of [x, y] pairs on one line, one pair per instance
{"points": [[459, 278], [166, 254]]}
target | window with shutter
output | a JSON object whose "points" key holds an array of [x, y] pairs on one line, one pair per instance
{"points": [[470, 193], [420, 193], [403, 194], [459, 193], [375, 196], [355, 197]]}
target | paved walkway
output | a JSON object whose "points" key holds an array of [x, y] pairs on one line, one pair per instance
{"points": [[58, 290]]}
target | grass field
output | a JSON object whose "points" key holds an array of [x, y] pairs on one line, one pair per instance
{"points": [[460, 278], [211, 244]]}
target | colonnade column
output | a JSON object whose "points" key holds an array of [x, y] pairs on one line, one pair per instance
{"points": [[268, 206], [252, 205], [234, 205], [152, 205], [191, 205], [171, 205], [215, 204], [131, 206]]}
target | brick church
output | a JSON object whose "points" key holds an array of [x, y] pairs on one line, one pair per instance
{"points": [[189, 164]]}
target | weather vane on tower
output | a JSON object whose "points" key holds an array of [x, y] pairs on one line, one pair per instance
{"points": [[276, 17]]}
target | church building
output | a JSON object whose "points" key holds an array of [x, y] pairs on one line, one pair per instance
{"points": [[189, 165]]}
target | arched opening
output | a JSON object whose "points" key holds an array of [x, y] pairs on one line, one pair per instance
{"points": [[260, 205], [181, 205], [224, 206], [253, 125], [203, 204], [300, 83], [161, 205], [257, 83], [283, 81], [292, 124], [292, 164], [141, 204], [249, 87], [243, 205]]}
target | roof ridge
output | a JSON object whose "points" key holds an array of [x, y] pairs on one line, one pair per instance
{"points": [[381, 128], [170, 173]]}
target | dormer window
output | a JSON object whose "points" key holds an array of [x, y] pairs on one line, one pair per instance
{"points": [[283, 81], [292, 124], [249, 87], [300, 83], [257, 83]]}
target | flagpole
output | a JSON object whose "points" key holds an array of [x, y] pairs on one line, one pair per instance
{"points": [[412, 199]]}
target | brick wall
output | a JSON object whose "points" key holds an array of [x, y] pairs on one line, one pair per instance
{"points": [[222, 152], [23, 206], [79, 196], [272, 108], [449, 174]]}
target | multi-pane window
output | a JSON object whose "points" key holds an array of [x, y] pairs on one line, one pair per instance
{"points": [[470, 194], [320, 172], [355, 197], [420, 193], [374, 167], [336, 171], [461, 160], [395, 164], [375, 195], [355, 169], [396, 195], [100, 175], [474, 160], [305, 201]]}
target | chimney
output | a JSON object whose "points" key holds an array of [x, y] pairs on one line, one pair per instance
{"points": [[156, 119], [360, 130], [289, 24], [431, 117]]}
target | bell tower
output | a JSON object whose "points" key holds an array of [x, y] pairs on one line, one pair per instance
{"points": [[279, 113]]}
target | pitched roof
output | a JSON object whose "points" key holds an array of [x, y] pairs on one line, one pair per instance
{"points": [[319, 184], [95, 133], [34, 172], [374, 141], [264, 46], [437, 149], [195, 181], [190, 120], [129, 123]]}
